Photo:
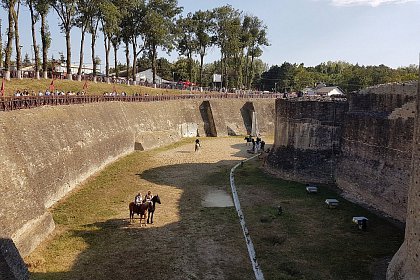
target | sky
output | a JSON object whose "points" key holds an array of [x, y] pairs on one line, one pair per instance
{"points": [[367, 32]]}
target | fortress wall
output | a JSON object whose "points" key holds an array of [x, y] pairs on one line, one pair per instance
{"points": [[307, 138], [45, 152], [365, 150], [374, 166], [406, 262]]}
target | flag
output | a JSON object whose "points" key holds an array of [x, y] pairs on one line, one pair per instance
{"points": [[52, 87], [85, 86], [2, 88]]}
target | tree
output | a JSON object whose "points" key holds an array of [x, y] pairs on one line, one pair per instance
{"points": [[85, 8], [258, 38], [204, 32], [66, 10], [228, 24], [159, 27], [43, 7], [1, 46], [186, 40], [26, 60], [34, 18], [15, 14], [110, 20], [9, 5]]}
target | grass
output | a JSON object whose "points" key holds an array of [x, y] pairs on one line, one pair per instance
{"points": [[94, 239], [310, 241], [93, 88]]}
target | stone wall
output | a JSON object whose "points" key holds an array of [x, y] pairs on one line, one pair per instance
{"points": [[307, 138], [374, 166], [366, 150], [45, 152], [406, 263]]}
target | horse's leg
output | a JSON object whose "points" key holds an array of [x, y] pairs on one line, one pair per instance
{"points": [[151, 220], [148, 215]]}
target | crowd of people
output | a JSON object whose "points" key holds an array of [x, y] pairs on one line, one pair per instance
{"points": [[257, 144], [47, 92]]}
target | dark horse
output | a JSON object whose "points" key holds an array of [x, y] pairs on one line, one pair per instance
{"points": [[143, 208], [151, 209]]}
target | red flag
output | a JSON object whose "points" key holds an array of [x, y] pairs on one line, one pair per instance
{"points": [[52, 87], [85, 85], [2, 88]]}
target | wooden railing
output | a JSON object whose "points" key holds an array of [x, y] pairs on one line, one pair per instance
{"points": [[27, 102]]}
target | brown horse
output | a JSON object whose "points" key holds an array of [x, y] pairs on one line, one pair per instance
{"points": [[139, 210]]}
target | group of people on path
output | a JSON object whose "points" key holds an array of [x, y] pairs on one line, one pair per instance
{"points": [[138, 199], [257, 144]]}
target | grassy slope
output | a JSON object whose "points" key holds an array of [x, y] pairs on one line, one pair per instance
{"points": [[75, 86]]}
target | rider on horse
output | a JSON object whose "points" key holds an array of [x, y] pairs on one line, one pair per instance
{"points": [[138, 199], [148, 197]]}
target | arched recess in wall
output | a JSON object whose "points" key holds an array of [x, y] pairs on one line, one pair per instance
{"points": [[248, 113], [208, 120]]}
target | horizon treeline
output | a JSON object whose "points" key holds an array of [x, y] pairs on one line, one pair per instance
{"points": [[349, 77], [140, 29]]}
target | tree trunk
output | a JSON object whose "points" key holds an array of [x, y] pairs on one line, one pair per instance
{"points": [[9, 47], [117, 72], [1, 46], [34, 44], [107, 42], [134, 44], [252, 71], [82, 42], [93, 41], [190, 63], [127, 59], [44, 40], [154, 53], [246, 69], [94, 62], [201, 68], [68, 45], [17, 42]]}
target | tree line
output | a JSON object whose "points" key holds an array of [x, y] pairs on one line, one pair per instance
{"points": [[349, 77], [141, 28]]}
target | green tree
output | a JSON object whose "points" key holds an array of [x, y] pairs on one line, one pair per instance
{"points": [[205, 35], [9, 5], [110, 20], [66, 11], [186, 40], [228, 26], [258, 38], [42, 7], [160, 27], [34, 18]]}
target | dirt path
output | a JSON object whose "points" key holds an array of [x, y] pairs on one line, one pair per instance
{"points": [[187, 240]]}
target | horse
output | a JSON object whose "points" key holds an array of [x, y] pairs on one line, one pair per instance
{"points": [[139, 210], [151, 208]]}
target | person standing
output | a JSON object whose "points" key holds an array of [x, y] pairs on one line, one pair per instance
{"points": [[197, 145]]}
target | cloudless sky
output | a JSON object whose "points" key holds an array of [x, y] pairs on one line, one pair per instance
{"points": [[368, 32]]}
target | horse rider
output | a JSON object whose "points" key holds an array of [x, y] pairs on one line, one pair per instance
{"points": [[148, 197], [138, 199]]}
